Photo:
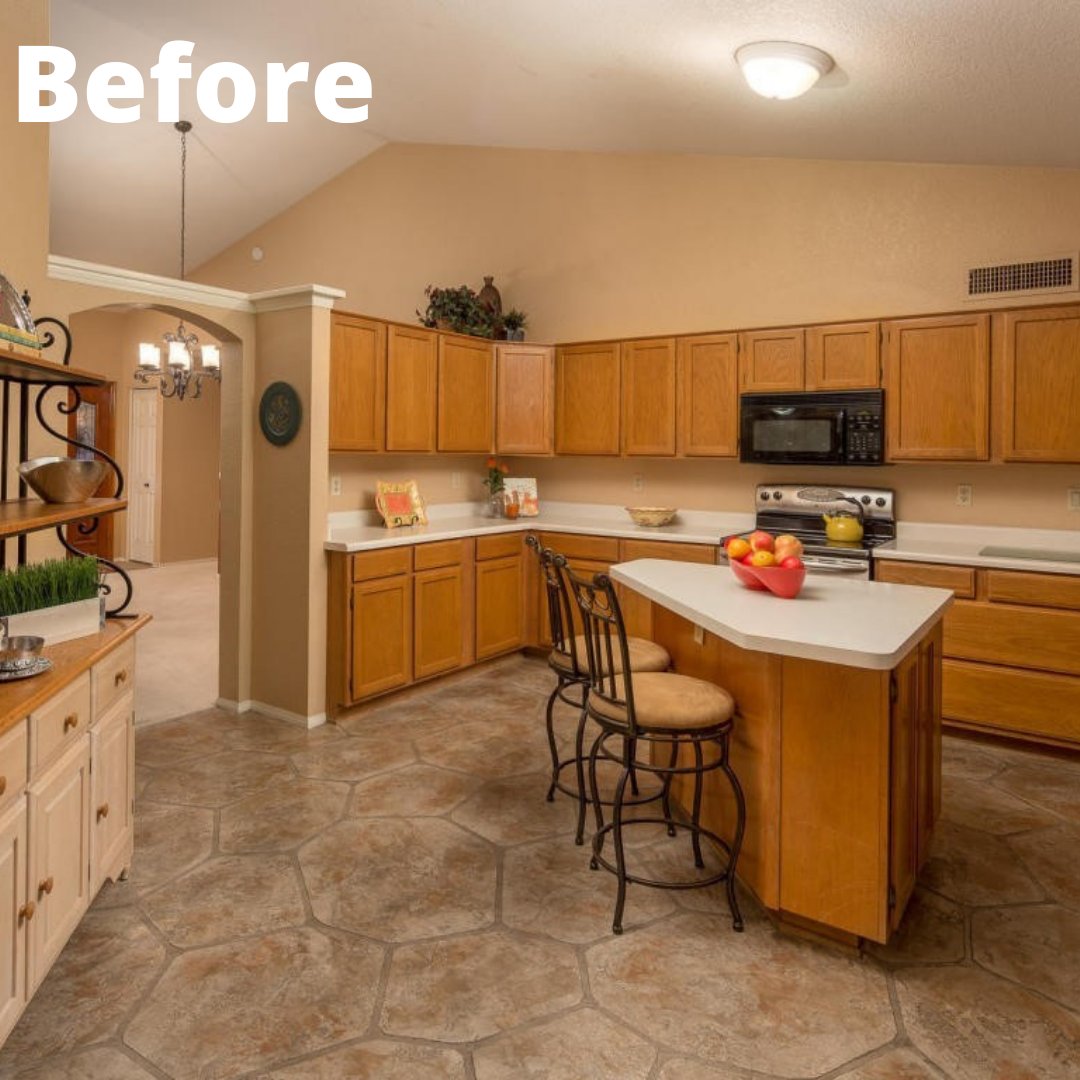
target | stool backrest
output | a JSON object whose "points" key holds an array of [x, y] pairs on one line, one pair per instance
{"points": [[605, 642], [560, 614]]}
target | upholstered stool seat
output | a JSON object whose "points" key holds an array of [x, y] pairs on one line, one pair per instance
{"points": [[645, 655], [664, 701]]}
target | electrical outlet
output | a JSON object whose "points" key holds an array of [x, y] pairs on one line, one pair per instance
{"points": [[1074, 499], [699, 635], [456, 480], [335, 485], [964, 495], [639, 483]]}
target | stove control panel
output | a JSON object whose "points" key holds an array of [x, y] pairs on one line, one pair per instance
{"points": [[877, 504]]}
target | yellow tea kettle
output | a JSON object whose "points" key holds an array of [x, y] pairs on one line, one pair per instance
{"points": [[843, 526]]}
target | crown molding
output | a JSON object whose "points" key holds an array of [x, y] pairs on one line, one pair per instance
{"points": [[296, 296]]}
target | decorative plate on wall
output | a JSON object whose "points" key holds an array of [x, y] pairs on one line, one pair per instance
{"points": [[280, 413]]}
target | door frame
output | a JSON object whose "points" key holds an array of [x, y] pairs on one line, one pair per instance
{"points": [[102, 541], [158, 418]]}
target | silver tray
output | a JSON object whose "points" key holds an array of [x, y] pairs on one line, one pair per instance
{"points": [[38, 667]]}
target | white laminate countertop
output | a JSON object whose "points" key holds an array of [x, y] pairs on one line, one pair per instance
{"points": [[863, 624], [364, 531], [961, 544]]}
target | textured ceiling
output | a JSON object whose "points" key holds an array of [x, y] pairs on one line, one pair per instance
{"points": [[972, 81]]}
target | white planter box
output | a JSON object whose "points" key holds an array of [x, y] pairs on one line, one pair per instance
{"points": [[62, 623]]}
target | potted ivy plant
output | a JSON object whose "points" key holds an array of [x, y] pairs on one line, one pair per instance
{"points": [[59, 600], [458, 310], [514, 323]]}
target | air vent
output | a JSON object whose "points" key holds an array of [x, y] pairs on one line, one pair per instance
{"points": [[1053, 275]]}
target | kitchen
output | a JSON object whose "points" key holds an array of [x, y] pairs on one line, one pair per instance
{"points": [[362, 874]]}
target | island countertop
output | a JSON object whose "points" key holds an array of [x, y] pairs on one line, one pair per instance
{"points": [[862, 624]]}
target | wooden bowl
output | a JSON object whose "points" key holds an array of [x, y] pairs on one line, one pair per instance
{"points": [[780, 581], [63, 480], [653, 516]]}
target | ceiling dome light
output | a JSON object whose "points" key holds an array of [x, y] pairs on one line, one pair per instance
{"points": [[782, 69]]}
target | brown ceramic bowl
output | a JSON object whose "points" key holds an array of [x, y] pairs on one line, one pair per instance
{"points": [[63, 480]]}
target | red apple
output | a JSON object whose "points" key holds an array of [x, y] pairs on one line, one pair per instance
{"points": [[747, 559], [761, 541], [791, 562], [789, 544]]}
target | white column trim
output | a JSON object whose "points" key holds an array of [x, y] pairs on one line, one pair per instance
{"points": [[296, 296], [272, 711]]}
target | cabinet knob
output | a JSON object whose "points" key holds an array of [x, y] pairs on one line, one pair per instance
{"points": [[120, 678], [71, 722], [103, 811], [45, 887], [26, 912]]}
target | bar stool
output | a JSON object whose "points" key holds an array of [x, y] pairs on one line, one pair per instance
{"points": [[568, 659], [665, 711]]}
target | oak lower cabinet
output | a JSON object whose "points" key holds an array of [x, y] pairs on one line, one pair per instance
{"points": [[524, 399], [382, 632], [112, 750], [648, 397], [412, 378], [588, 398], [637, 609], [466, 413], [13, 927], [500, 595], [439, 608], [357, 382], [772, 360], [708, 396]]}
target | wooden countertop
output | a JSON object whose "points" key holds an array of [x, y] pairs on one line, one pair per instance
{"points": [[70, 659]]}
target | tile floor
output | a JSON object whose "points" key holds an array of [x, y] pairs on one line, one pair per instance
{"points": [[394, 899]]}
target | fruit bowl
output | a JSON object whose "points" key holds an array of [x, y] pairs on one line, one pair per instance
{"points": [[781, 581]]}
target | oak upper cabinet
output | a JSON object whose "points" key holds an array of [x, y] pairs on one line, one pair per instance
{"points": [[357, 383], [412, 365], [382, 634], [439, 609], [18, 915], [466, 394], [771, 360], [112, 743], [587, 398], [648, 397], [708, 395], [1039, 404], [937, 388], [524, 399], [500, 594], [846, 356]]}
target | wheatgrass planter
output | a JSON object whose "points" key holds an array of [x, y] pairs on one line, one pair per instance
{"points": [[64, 622]]}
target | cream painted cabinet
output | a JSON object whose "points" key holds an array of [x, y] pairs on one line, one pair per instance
{"points": [[112, 750], [18, 916]]}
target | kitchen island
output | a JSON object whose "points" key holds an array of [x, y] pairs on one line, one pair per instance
{"points": [[837, 739]]}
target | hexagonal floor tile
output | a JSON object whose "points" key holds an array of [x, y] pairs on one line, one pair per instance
{"points": [[233, 1008], [1050, 855], [168, 840], [108, 965], [355, 758], [900, 1064], [515, 809], [932, 931], [974, 1025], [579, 1044], [219, 780], [252, 731], [415, 791], [102, 1063], [471, 987], [962, 759], [494, 750], [1053, 785], [754, 1000], [982, 806], [973, 867], [379, 1059], [176, 742], [685, 1069], [400, 879], [281, 817], [227, 897], [402, 718], [548, 888], [1037, 945]]}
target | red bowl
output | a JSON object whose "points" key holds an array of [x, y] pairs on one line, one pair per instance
{"points": [[780, 581]]}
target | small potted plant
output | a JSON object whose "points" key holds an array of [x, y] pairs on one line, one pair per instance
{"points": [[494, 481], [514, 323], [58, 600], [458, 310]]}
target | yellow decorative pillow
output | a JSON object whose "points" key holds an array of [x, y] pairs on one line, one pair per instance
{"points": [[400, 503]]}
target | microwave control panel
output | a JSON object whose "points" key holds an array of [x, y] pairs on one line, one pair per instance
{"points": [[864, 437]]}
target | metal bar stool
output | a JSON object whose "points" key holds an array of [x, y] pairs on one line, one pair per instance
{"points": [[665, 711], [568, 660]]}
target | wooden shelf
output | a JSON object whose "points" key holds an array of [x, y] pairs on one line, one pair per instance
{"points": [[25, 366], [19, 516]]}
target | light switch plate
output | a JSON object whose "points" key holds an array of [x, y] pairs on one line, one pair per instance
{"points": [[1074, 499]]}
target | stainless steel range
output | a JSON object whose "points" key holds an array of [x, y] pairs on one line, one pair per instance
{"points": [[798, 509]]}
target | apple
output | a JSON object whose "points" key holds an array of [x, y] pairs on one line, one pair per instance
{"points": [[791, 544], [748, 559], [792, 562], [737, 548], [762, 558], [761, 541]]}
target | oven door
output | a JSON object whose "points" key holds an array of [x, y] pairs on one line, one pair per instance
{"points": [[772, 433]]}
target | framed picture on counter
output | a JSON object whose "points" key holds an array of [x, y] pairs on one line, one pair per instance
{"points": [[523, 489]]}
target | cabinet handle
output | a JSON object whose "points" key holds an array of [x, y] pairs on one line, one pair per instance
{"points": [[103, 811], [26, 912], [120, 678], [45, 888], [71, 722], [3, 784]]}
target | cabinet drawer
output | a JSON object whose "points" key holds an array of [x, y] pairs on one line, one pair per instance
{"points": [[1039, 590], [1004, 699], [112, 678], [666, 549], [13, 759], [598, 548], [1015, 636], [59, 722], [367, 565], [960, 579], [498, 547], [441, 553]]}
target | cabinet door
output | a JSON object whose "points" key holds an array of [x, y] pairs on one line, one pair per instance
{"points": [[112, 744], [466, 394], [1040, 383], [500, 621], [708, 376], [587, 402], [411, 381], [437, 644], [59, 856], [525, 399], [382, 631], [843, 357], [937, 388], [771, 360], [357, 383], [17, 916], [903, 796], [648, 397]]}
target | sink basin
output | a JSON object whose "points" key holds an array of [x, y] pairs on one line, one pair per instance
{"points": [[1040, 555]]}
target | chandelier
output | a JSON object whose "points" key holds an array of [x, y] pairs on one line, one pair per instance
{"points": [[182, 348]]}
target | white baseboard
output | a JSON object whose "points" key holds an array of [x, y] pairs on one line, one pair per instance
{"points": [[299, 719]]}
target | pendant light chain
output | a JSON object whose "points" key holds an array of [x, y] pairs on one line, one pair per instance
{"points": [[183, 126]]}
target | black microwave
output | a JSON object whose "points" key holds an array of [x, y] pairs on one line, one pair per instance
{"points": [[820, 428]]}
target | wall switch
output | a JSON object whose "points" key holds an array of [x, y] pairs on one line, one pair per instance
{"points": [[964, 496], [456, 480], [639, 483], [1074, 499], [699, 635], [335, 485]]}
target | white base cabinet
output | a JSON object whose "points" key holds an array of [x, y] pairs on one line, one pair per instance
{"points": [[14, 912]]}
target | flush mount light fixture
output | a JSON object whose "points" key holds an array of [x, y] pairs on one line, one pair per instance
{"points": [[782, 69]]}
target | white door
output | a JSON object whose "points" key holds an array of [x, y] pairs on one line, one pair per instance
{"points": [[142, 474]]}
